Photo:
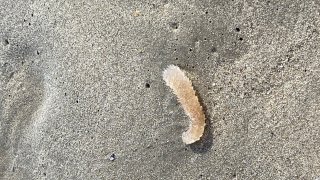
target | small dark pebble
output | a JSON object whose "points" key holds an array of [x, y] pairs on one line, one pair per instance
{"points": [[112, 157]]}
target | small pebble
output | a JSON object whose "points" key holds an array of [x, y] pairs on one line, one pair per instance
{"points": [[112, 157]]}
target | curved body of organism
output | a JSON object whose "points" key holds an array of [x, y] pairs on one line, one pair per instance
{"points": [[176, 79]]}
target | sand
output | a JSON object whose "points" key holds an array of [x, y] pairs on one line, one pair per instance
{"points": [[82, 95]]}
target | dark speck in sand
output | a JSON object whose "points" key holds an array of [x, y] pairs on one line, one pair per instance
{"points": [[112, 157]]}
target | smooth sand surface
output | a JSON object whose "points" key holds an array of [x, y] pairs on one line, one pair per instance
{"points": [[82, 95]]}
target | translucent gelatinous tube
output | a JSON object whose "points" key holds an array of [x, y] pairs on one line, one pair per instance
{"points": [[176, 79]]}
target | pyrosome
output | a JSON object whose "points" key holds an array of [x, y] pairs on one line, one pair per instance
{"points": [[181, 86]]}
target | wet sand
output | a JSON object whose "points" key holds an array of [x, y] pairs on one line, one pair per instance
{"points": [[82, 95]]}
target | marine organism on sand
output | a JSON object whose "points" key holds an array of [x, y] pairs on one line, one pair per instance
{"points": [[176, 79]]}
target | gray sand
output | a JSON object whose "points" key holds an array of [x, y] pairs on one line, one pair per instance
{"points": [[82, 95]]}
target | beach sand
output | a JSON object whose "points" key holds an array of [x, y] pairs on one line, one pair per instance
{"points": [[82, 94]]}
